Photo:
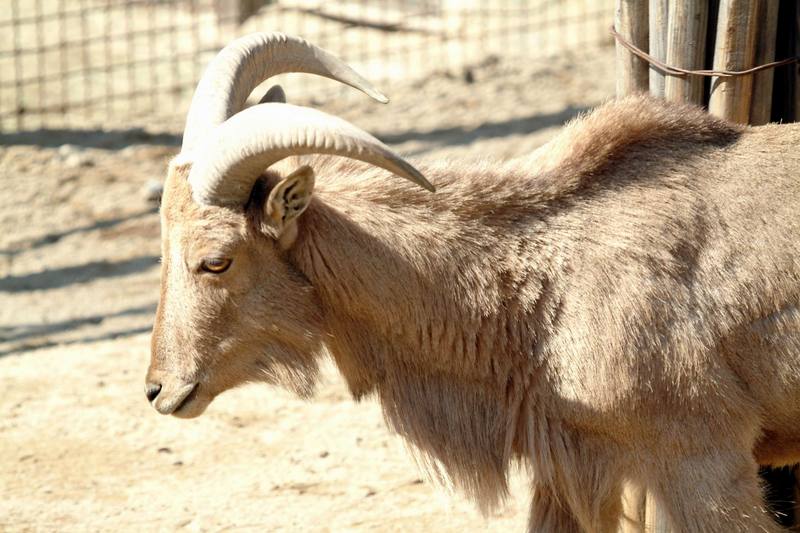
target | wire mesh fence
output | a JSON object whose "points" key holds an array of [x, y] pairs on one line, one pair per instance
{"points": [[91, 63]]}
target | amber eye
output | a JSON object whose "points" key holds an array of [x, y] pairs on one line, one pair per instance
{"points": [[215, 265]]}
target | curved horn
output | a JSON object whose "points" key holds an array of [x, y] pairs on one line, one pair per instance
{"points": [[243, 64], [236, 152]]}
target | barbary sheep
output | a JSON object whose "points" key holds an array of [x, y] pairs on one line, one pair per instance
{"points": [[619, 307]]}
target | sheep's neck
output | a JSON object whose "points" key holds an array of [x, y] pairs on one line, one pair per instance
{"points": [[438, 294], [431, 318]]}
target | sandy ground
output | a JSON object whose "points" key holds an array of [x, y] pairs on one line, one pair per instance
{"points": [[80, 449]]}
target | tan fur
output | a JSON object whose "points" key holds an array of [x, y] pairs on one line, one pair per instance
{"points": [[619, 307]]}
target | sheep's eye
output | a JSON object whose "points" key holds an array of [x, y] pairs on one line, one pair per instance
{"points": [[215, 265]]}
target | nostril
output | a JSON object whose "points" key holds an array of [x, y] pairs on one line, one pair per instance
{"points": [[151, 390]]}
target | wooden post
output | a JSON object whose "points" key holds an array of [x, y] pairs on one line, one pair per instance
{"points": [[633, 510], [631, 22], [655, 518], [234, 12], [735, 49], [642, 513], [686, 47], [761, 106], [659, 17]]}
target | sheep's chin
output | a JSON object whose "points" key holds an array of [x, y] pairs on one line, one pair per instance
{"points": [[193, 406]]}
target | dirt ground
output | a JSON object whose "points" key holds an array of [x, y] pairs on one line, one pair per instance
{"points": [[80, 448]]}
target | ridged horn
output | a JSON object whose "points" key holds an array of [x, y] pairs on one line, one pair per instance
{"points": [[236, 152], [246, 62]]}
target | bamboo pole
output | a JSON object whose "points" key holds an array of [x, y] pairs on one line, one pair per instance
{"points": [[234, 12], [659, 17], [735, 49], [631, 22], [767, 16], [686, 47]]}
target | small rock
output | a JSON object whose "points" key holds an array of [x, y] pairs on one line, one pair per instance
{"points": [[178, 463], [75, 156], [78, 160], [129, 151], [469, 76], [324, 454], [165, 450], [66, 150], [153, 190]]}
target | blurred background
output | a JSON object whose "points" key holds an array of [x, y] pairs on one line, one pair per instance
{"points": [[93, 94], [84, 63]]}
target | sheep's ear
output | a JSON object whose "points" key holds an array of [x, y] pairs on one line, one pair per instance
{"points": [[288, 199]]}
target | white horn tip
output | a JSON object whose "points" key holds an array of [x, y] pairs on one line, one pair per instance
{"points": [[375, 94]]}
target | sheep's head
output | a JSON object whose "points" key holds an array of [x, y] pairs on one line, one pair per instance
{"points": [[232, 308]]}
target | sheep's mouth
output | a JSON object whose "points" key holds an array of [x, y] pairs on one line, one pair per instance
{"points": [[172, 398], [187, 400]]}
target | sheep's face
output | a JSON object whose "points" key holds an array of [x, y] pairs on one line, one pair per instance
{"points": [[232, 309]]}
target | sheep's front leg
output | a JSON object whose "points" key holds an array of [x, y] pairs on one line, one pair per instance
{"points": [[580, 490], [717, 493], [549, 515]]}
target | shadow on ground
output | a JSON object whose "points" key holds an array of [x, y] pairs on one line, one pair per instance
{"points": [[38, 345], [61, 277], [90, 138], [54, 237], [450, 136], [25, 331], [460, 135]]}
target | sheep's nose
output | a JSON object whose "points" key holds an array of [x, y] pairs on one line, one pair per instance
{"points": [[151, 390]]}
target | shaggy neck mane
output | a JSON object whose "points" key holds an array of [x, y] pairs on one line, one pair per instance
{"points": [[439, 303], [431, 302]]}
